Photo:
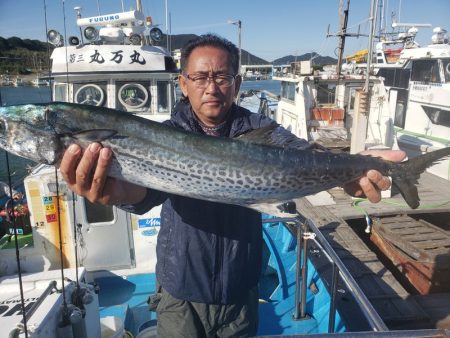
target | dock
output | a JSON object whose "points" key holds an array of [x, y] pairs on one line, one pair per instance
{"points": [[400, 305]]}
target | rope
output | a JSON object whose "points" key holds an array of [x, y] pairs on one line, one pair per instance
{"points": [[22, 299]]}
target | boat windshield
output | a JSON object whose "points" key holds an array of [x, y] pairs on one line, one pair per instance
{"points": [[446, 66], [425, 71]]}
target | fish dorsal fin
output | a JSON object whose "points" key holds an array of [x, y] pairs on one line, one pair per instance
{"points": [[276, 136], [94, 135], [260, 136]]}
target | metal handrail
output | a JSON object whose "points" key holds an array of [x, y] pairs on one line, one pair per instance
{"points": [[339, 269], [368, 310]]}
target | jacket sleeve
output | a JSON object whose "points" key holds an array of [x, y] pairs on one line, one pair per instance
{"points": [[152, 199], [280, 135]]}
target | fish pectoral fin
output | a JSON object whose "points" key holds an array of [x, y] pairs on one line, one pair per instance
{"points": [[94, 135], [276, 209]]}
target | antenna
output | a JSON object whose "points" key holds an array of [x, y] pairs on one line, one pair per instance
{"points": [[342, 34]]}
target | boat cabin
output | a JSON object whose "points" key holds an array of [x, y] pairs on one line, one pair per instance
{"points": [[114, 65]]}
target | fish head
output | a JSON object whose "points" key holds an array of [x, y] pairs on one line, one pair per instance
{"points": [[26, 132]]}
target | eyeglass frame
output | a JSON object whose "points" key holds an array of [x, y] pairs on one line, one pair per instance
{"points": [[210, 77]]}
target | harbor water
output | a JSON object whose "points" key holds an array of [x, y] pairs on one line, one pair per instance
{"points": [[21, 95]]}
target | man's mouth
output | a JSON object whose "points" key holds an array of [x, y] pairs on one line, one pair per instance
{"points": [[213, 103]]}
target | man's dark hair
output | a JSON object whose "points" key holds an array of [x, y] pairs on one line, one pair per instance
{"points": [[210, 40]]}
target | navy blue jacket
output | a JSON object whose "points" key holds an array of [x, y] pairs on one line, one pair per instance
{"points": [[208, 252]]}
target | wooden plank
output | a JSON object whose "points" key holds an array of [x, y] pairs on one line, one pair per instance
{"points": [[396, 306]]}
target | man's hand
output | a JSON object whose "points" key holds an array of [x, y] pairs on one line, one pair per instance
{"points": [[86, 175], [371, 185]]}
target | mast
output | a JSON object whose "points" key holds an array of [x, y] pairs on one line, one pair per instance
{"points": [[342, 34]]}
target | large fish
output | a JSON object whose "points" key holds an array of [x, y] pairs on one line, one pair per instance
{"points": [[244, 171]]}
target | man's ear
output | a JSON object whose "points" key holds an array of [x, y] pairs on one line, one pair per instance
{"points": [[237, 84], [183, 85]]}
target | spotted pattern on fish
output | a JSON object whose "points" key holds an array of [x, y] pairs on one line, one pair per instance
{"points": [[210, 168]]}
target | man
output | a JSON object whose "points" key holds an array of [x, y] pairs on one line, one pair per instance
{"points": [[16, 195], [208, 254]]}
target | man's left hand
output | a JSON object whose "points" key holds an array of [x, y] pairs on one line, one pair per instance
{"points": [[373, 183]]}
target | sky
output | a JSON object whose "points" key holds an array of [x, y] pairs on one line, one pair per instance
{"points": [[270, 28]]}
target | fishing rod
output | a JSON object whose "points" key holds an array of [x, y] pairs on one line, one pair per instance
{"points": [[14, 224]]}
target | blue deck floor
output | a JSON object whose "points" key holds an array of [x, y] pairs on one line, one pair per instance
{"points": [[126, 298]]}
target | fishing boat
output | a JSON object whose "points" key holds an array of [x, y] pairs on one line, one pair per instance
{"points": [[321, 106], [418, 87], [18, 82], [40, 82], [113, 64]]}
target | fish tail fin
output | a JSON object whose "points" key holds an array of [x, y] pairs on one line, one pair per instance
{"points": [[405, 175]]}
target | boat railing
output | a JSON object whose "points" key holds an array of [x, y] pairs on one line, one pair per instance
{"points": [[307, 231]]}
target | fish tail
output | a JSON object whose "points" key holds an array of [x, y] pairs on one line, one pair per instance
{"points": [[405, 175]]}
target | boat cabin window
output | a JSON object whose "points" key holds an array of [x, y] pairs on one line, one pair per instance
{"points": [[133, 96], [98, 213], [437, 115], [288, 90], [393, 77], [92, 94], [446, 66], [325, 93], [60, 92], [425, 71], [163, 90]]}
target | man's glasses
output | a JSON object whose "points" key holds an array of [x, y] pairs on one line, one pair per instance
{"points": [[202, 81]]}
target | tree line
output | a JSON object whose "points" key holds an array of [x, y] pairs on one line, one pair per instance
{"points": [[23, 56]]}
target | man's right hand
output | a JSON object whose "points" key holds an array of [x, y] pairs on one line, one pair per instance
{"points": [[86, 175]]}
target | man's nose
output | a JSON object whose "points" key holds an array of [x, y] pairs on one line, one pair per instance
{"points": [[212, 85]]}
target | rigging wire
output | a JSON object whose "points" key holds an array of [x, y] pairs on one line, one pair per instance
{"points": [[48, 50], [65, 48], [19, 273], [65, 311]]}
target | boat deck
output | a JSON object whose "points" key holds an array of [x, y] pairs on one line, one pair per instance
{"points": [[399, 305]]}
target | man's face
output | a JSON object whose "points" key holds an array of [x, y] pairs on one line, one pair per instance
{"points": [[211, 103]]}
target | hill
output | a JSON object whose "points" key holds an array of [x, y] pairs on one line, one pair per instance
{"points": [[179, 40], [22, 56], [316, 59]]}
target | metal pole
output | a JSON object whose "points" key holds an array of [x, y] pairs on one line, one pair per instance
{"points": [[372, 316], [298, 272], [239, 24], [373, 13], [342, 35], [334, 282], [304, 272], [167, 26], [239, 46]]}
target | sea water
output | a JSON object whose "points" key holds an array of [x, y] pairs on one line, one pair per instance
{"points": [[20, 95]]}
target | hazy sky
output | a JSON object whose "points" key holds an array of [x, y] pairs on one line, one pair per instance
{"points": [[270, 28]]}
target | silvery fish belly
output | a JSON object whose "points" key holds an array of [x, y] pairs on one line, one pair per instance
{"points": [[246, 171]]}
